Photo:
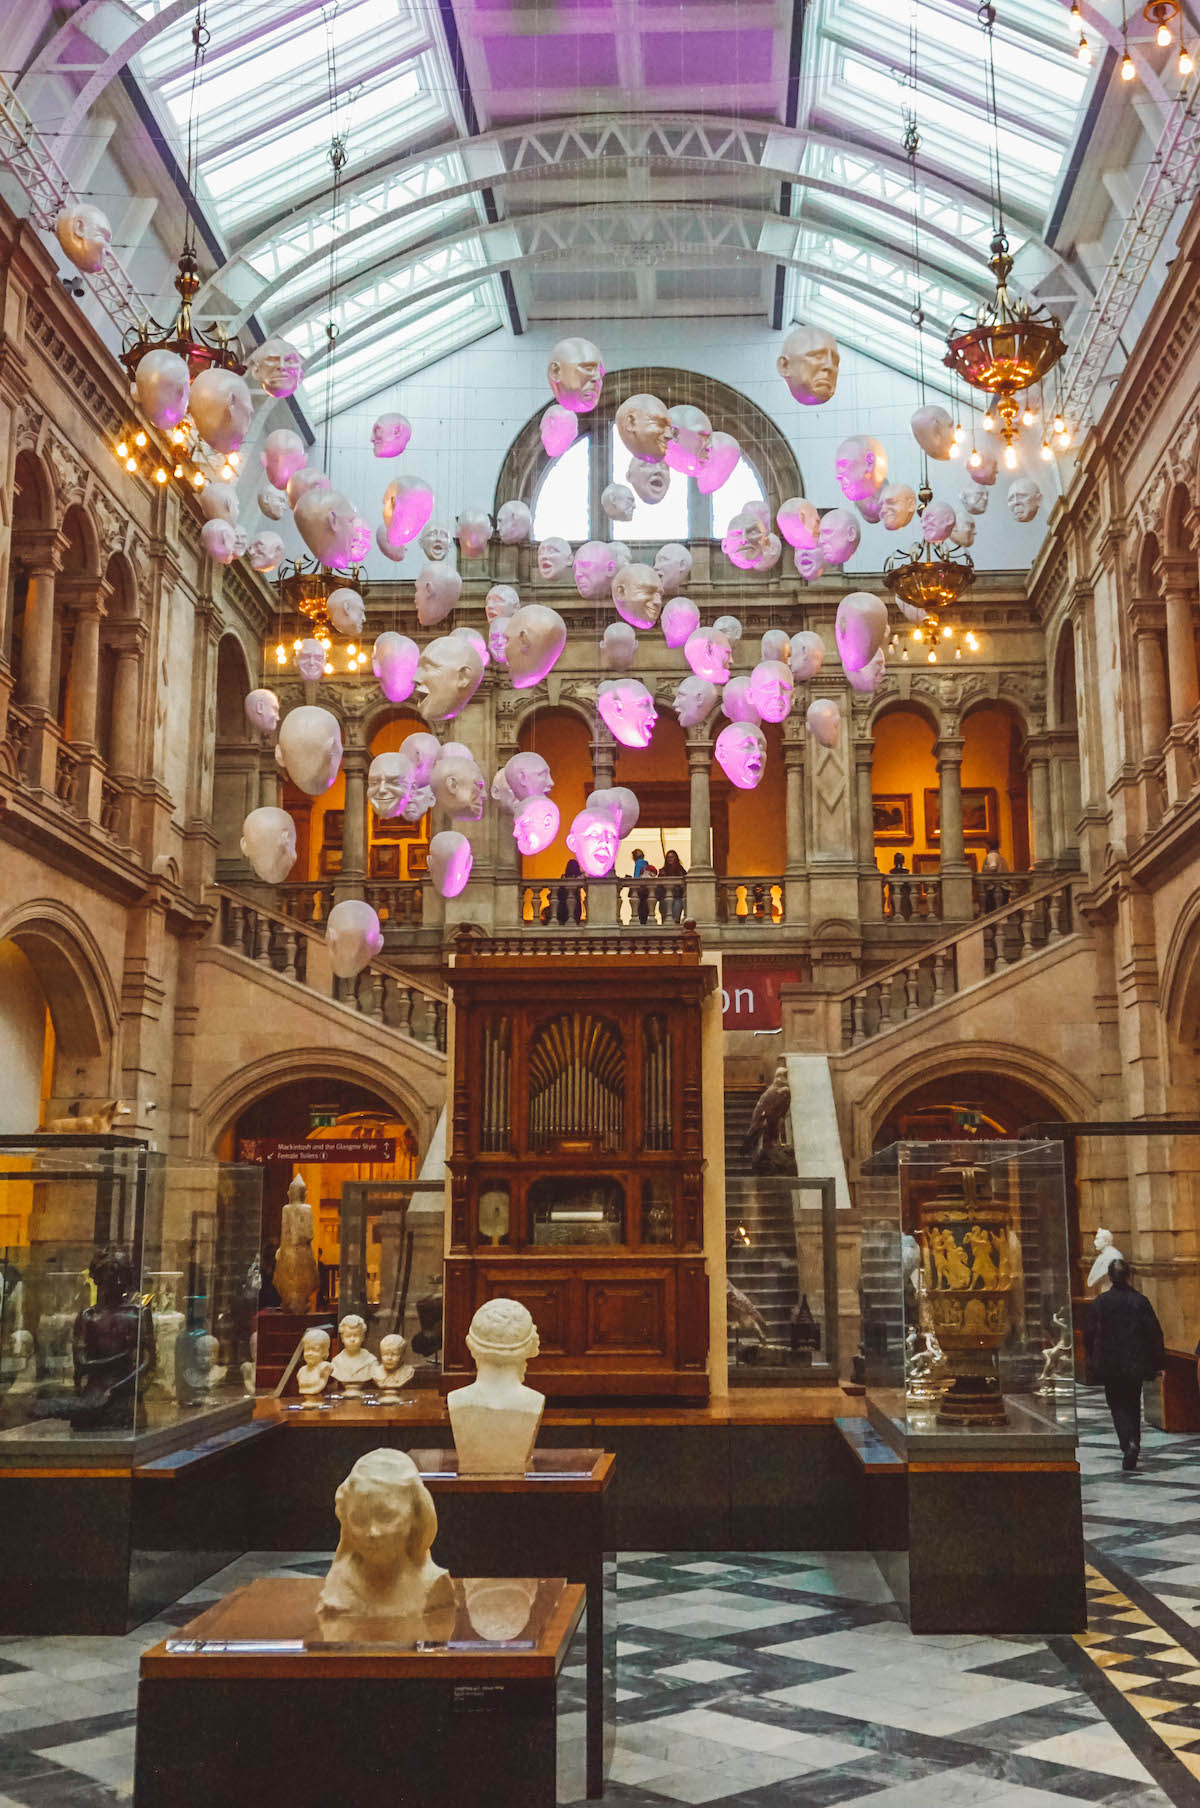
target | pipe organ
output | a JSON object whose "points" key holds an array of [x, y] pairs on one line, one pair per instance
{"points": [[576, 1158]]}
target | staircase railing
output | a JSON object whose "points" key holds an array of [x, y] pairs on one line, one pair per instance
{"points": [[892, 996], [296, 950]]}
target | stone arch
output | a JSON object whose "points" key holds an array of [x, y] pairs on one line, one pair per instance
{"points": [[384, 712], [1177, 542], [1179, 986], [1063, 1091], [122, 588], [570, 706], [1064, 698], [79, 992], [915, 704], [234, 683], [236, 1093], [33, 492], [81, 554], [1145, 568]]}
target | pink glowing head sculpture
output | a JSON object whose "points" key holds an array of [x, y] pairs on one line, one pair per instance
{"points": [[737, 705], [353, 937], [709, 654], [266, 552], [282, 456], [459, 786], [987, 469], [860, 629], [390, 435], [861, 466], [558, 429], [637, 594], [746, 540], [575, 374], [219, 502], [871, 676], [528, 775], [421, 753], [474, 532], [222, 408], [691, 436], [807, 655], [395, 555], [718, 463], [536, 824], [824, 722], [407, 506], [533, 644], [592, 838], [837, 537], [741, 752], [771, 689], [262, 712], [627, 711], [798, 521], [276, 366], [162, 384], [394, 661], [679, 619], [302, 481], [222, 541], [811, 563], [619, 802], [870, 510], [450, 861]]}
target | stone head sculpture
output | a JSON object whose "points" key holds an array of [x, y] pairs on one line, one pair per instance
{"points": [[558, 428], [474, 532], [860, 629], [861, 466], [807, 655], [85, 235], [644, 427], [824, 721], [347, 611], [770, 689], [717, 463], [269, 843], [595, 567], [673, 563], [809, 364], [933, 431], [394, 662], [575, 373], [436, 591], [266, 552], [637, 595], [451, 858], [536, 824], [221, 405], [618, 647], [449, 673], [798, 521], [1024, 499], [620, 803], [514, 523], [309, 748], [407, 506], [533, 644], [390, 435], [897, 506], [459, 787], [618, 502], [282, 456], [694, 701], [709, 654], [262, 712], [741, 752], [691, 436], [276, 366], [837, 537], [649, 481], [163, 387], [353, 937], [382, 1570], [503, 1333], [627, 710], [679, 619], [592, 838], [554, 559]]}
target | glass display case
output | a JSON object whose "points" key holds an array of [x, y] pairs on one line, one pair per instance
{"points": [[128, 1286], [781, 1279], [965, 1298]]}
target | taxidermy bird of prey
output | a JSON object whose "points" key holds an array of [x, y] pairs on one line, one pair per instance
{"points": [[744, 1315], [770, 1110]]}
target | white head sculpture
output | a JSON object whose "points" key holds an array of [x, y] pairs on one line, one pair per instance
{"points": [[222, 541], [421, 752], [347, 611], [219, 502], [500, 602], [528, 775], [309, 748], [937, 522], [824, 721], [592, 838], [963, 531], [618, 647], [394, 662], [262, 712], [644, 427], [837, 537], [514, 523], [382, 1572], [694, 701], [459, 787], [533, 644], [276, 366], [897, 505], [736, 702], [436, 591], [449, 672], [709, 654], [304, 480], [553, 558], [811, 563], [272, 503], [860, 629], [673, 564], [718, 463], [771, 689], [933, 431], [477, 641], [691, 436], [627, 710], [329, 526], [618, 502], [536, 823], [1024, 499], [679, 619], [649, 482], [861, 465], [558, 428], [911, 612], [798, 521], [595, 568], [222, 408], [451, 858], [353, 937], [870, 677], [637, 594], [620, 803], [746, 540], [474, 532], [974, 500], [741, 752], [390, 435], [772, 555], [807, 655], [436, 542], [407, 506], [575, 373], [269, 843], [282, 456], [730, 627], [809, 363], [389, 783], [870, 508], [85, 235], [986, 469], [394, 554], [775, 644], [162, 384], [311, 656]]}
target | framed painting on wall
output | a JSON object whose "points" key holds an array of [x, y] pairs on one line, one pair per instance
{"points": [[418, 859], [385, 861], [981, 814], [892, 818], [927, 863]]}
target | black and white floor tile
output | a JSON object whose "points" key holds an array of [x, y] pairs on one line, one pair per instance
{"points": [[766, 1680]]}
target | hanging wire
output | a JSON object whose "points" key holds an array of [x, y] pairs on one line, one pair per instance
{"points": [[912, 146], [987, 18], [201, 37], [337, 159]]}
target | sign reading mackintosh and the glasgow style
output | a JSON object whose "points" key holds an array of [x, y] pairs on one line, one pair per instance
{"points": [[373, 1151]]}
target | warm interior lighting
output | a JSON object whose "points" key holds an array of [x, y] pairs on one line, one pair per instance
{"points": [[1185, 62], [976, 458], [280, 655], [160, 475], [1084, 53], [933, 659], [179, 470], [1028, 417], [328, 669], [988, 423], [1010, 458], [1127, 70], [122, 450], [198, 480], [1047, 449], [139, 439], [131, 464], [917, 634], [947, 633]]}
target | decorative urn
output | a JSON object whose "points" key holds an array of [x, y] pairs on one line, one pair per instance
{"points": [[969, 1257]]}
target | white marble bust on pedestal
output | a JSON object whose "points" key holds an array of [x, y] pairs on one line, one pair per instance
{"points": [[391, 1372], [353, 1367], [495, 1420], [1106, 1254], [382, 1571]]}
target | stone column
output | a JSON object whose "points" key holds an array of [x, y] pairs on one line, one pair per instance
{"points": [[37, 639], [1177, 578], [795, 872], [1037, 765], [870, 891], [83, 679], [957, 890], [126, 710], [350, 881], [508, 857], [702, 880], [602, 895], [1152, 680]]}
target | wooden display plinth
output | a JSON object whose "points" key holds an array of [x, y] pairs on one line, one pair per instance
{"points": [[249, 1703]]}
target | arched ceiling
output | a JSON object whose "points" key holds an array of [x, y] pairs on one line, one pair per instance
{"points": [[599, 158]]}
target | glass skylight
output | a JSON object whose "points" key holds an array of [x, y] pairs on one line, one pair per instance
{"points": [[562, 505]]}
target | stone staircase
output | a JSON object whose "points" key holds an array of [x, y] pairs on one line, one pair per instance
{"points": [[761, 1253]]}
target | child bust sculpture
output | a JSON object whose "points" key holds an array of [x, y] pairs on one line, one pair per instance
{"points": [[353, 1366], [391, 1372], [313, 1373], [382, 1570], [495, 1420]]}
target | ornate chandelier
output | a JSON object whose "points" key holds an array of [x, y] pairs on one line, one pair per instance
{"points": [[929, 577], [200, 350], [304, 587]]}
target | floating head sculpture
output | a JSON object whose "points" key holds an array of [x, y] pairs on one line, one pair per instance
{"points": [[798, 521], [897, 505], [276, 366], [533, 643], [775, 645], [694, 701], [861, 465], [353, 937], [474, 532], [618, 502], [436, 591], [637, 594], [673, 564], [477, 641], [553, 558], [389, 783], [390, 435], [407, 506], [771, 689], [963, 531], [824, 721], [736, 702], [395, 554], [85, 235], [266, 552], [746, 540], [871, 676], [986, 469], [575, 373], [709, 654], [163, 387], [309, 748], [618, 647], [933, 431], [807, 655], [269, 843], [330, 527], [436, 542], [219, 502], [528, 775], [221, 405], [809, 364], [691, 436], [649, 482], [514, 523], [451, 858], [421, 752], [937, 523], [220, 540], [311, 658], [860, 629], [870, 508], [741, 752], [592, 838], [620, 803], [644, 427], [717, 463], [811, 563], [974, 500], [272, 503], [282, 456], [595, 568], [536, 824], [837, 537], [347, 611], [394, 661], [449, 672], [558, 429], [1024, 499], [772, 555], [730, 627], [459, 786], [627, 710], [679, 619], [304, 480], [262, 712]]}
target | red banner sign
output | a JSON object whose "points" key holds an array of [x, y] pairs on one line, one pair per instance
{"points": [[376, 1151], [750, 994]]}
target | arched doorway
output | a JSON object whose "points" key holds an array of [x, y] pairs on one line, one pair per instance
{"points": [[995, 788], [235, 761]]}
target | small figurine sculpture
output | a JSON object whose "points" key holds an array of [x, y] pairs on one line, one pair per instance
{"points": [[809, 364], [197, 1368], [112, 1346], [770, 1115], [495, 1420], [250, 1368], [312, 1377], [382, 1571], [391, 1372], [353, 1366], [295, 1264], [925, 1373], [1057, 1373], [1106, 1254]]}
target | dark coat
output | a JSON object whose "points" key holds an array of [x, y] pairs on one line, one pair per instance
{"points": [[1122, 1337]]}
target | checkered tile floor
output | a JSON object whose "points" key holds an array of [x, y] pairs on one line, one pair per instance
{"points": [[783, 1679]]}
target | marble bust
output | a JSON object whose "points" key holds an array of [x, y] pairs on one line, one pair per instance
{"points": [[391, 1372], [312, 1377], [1106, 1254], [353, 1366], [495, 1420], [382, 1570]]}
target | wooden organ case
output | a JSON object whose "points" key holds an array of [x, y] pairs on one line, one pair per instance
{"points": [[576, 1157]]}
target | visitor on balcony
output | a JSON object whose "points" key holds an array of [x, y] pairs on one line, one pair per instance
{"points": [[672, 896], [996, 893], [891, 897]]}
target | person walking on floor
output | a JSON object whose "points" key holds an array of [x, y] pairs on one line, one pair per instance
{"points": [[1123, 1342]]}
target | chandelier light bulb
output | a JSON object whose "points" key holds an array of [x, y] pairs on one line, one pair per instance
{"points": [[328, 669], [131, 464], [933, 659], [198, 480], [1185, 62], [295, 646], [1127, 69], [917, 634], [160, 475], [955, 448], [1163, 36], [280, 655], [1047, 452], [1028, 417], [179, 470], [1076, 15], [988, 423], [122, 450], [959, 435], [976, 458], [1010, 458], [958, 652], [1084, 53], [139, 439], [1060, 426], [947, 633]]}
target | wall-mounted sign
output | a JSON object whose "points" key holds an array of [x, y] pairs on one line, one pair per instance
{"points": [[372, 1150], [750, 993]]}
